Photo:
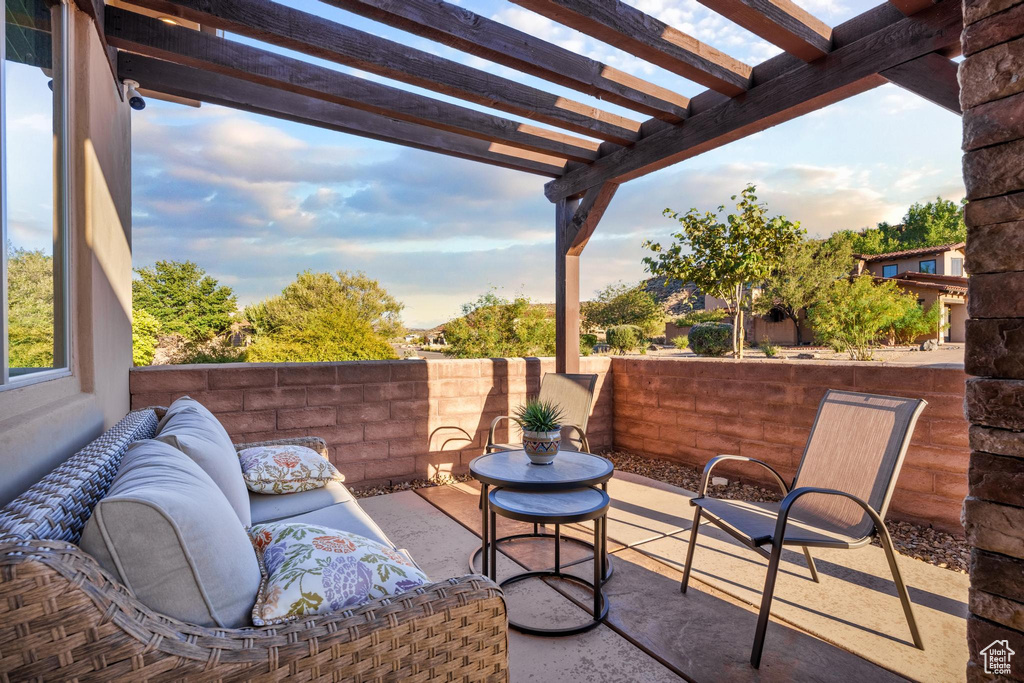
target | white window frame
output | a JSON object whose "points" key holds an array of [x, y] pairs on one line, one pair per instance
{"points": [[61, 30]]}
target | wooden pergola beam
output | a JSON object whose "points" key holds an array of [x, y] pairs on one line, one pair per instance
{"points": [[463, 30], [274, 23], [629, 29], [575, 222], [781, 22], [206, 86], [586, 217], [846, 71], [909, 7], [154, 38], [933, 77]]}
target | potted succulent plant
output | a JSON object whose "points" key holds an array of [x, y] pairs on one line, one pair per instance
{"points": [[541, 422]]}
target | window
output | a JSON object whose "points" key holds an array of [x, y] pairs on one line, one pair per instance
{"points": [[956, 266], [33, 211], [926, 267], [889, 271]]}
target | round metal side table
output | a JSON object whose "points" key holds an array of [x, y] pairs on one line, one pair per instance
{"points": [[565, 507], [513, 470]]}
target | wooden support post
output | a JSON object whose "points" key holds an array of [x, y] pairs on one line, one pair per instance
{"points": [[567, 292], [575, 222]]}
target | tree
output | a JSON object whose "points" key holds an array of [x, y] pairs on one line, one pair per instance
{"points": [[145, 328], [184, 299], [326, 334], [924, 225], [855, 314], [722, 258], [323, 317], [495, 327], [934, 223], [312, 291], [808, 269], [622, 304], [29, 308]]}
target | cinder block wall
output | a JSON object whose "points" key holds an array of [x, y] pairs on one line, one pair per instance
{"points": [[992, 97], [379, 417], [692, 410]]}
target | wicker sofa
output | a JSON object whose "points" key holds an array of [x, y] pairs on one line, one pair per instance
{"points": [[62, 617]]}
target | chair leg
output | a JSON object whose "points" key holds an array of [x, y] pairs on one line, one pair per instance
{"points": [[689, 551], [766, 603], [901, 588], [810, 565]]}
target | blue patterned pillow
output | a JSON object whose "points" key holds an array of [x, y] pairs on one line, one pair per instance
{"points": [[315, 570]]}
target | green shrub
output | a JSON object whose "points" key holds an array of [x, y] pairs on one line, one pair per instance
{"points": [[681, 342], [711, 339], [587, 344], [701, 316], [769, 349], [145, 328], [624, 338]]}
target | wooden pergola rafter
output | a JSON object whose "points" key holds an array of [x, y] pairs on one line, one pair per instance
{"points": [[906, 42]]}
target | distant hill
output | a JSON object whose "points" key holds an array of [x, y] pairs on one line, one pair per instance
{"points": [[676, 298]]}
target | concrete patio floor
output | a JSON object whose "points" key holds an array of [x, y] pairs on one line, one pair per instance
{"points": [[848, 627]]}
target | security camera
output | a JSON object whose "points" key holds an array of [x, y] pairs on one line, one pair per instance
{"points": [[135, 100]]}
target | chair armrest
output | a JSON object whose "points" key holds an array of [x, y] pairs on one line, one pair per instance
{"points": [[494, 425], [796, 494], [466, 435], [706, 477], [584, 444], [314, 442], [453, 630]]}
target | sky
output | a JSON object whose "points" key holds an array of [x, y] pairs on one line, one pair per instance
{"points": [[254, 200]]}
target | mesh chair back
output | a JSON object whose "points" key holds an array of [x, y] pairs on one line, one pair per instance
{"points": [[575, 395], [856, 446]]}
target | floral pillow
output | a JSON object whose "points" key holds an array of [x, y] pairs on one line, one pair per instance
{"points": [[285, 469], [315, 570]]}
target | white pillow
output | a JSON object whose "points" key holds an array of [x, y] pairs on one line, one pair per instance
{"points": [[167, 532], [285, 469]]}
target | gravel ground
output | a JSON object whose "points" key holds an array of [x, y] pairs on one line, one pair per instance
{"points": [[371, 491], [921, 543]]}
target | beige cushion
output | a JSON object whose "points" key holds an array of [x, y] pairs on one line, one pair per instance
{"points": [[344, 517], [269, 508], [187, 403], [191, 432], [167, 532]]}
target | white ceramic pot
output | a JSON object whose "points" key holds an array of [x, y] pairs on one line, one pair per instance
{"points": [[541, 447]]}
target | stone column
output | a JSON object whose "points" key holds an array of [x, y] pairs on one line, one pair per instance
{"points": [[992, 98]]}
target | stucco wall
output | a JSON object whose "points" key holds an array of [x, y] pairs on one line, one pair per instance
{"points": [[943, 263], [692, 410], [42, 424], [378, 417]]}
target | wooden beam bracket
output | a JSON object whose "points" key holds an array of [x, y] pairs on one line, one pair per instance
{"points": [[933, 77]]}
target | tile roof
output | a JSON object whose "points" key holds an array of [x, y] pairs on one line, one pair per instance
{"points": [[920, 251]]}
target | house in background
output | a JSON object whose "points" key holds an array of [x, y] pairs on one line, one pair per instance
{"points": [[933, 274]]}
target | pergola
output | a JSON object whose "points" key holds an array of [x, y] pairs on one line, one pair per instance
{"points": [[907, 42]]}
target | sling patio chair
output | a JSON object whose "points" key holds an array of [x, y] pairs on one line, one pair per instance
{"points": [[838, 499], [574, 394]]}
